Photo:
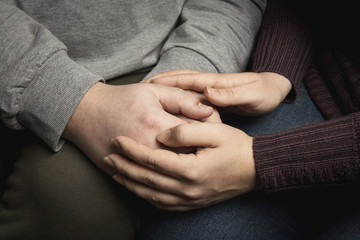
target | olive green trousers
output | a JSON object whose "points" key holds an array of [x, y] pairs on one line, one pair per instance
{"points": [[47, 195]]}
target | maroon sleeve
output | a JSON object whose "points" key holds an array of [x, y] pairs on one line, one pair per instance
{"points": [[321, 154], [284, 45]]}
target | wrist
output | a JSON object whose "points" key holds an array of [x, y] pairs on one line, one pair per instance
{"points": [[255, 180], [282, 84], [252, 170], [81, 114]]}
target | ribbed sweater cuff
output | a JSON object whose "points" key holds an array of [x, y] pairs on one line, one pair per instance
{"points": [[52, 96], [316, 155], [284, 47]]}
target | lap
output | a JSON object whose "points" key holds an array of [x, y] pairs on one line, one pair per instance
{"points": [[346, 225], [286, 116], [308, 214], [289, 215], [250, 216], [60, 195]]}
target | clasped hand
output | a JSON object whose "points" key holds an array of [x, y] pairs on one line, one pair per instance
{"points": [[222, 165], [247, 94], [139, 111], [220, 168]]}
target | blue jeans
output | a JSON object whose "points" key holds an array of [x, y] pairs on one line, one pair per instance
{"points": [[305, 214]]}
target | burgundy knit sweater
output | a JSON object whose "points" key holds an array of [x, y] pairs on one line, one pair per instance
{"points": [[324, 154]]}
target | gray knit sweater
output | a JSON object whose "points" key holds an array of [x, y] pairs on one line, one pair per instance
{"points": [[52, 52]]}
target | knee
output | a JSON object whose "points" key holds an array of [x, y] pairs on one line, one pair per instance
{"points": [[62, 197]]}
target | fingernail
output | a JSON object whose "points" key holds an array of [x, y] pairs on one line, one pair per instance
{"points": [[118, 179], [109, 162], [208, 90], [164, 136], [211, 91], [203, 106], [115, 142]]}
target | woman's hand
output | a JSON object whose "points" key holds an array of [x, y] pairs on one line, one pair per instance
{"points": [[222, 166], [249, 94]]}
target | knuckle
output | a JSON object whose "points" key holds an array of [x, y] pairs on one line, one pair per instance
{"points": [[148, 120], [149, 161], [193, 194], [154, 199], [121, 169], [147, 181], [230, 93], [192, 175]]}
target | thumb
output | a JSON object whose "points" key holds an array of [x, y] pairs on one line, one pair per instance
{"points": [[177, 101], [191, 135], [225, 97]]}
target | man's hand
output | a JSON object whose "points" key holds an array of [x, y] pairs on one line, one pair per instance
{"points": [[139, 111], [243, 93], [222, 166]]}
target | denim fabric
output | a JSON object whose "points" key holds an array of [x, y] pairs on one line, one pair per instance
{"points": [[286, 116], [307, 214], [323, 214], [251, 216]]}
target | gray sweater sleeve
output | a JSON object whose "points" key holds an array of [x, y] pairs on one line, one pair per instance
{"points": [[35, 70], [212, 36]]}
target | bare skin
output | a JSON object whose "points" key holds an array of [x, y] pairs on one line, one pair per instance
{"points": [[242, 93], [222, 165], [139, 111]]}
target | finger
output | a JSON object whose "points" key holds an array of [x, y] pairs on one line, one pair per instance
{"points": [[198, 81], [190, 135], [177, 101], [169, 73], [152, 195], [186, 119], [215, 117], [238, 95], [191, 81], [176, 208], [164, 201], [160, 160], [144, 175]]}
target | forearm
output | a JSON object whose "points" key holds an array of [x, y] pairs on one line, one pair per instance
{"points": [[50, 99], [39, 84], [212, 36], [284, 45], [316, 155]]}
